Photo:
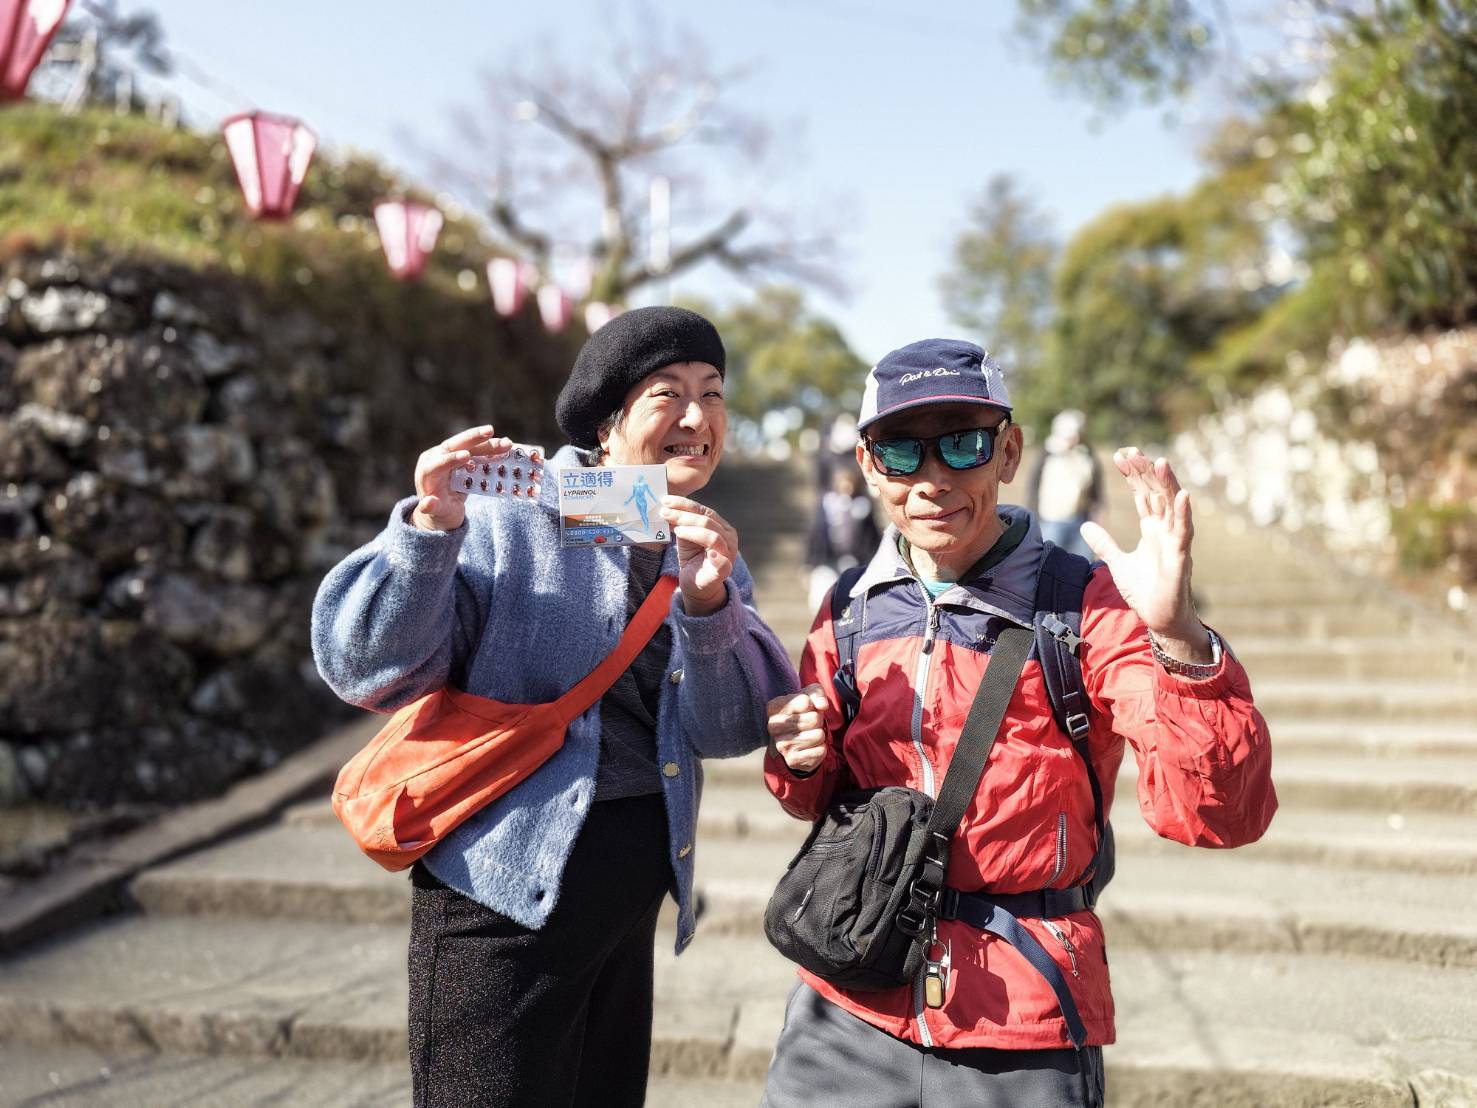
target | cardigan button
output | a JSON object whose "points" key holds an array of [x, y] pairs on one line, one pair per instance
{"points": [[671, 769], [685, 851], [676, 676]]}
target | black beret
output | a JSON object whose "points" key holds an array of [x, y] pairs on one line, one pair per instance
{"points": [[625, 351]]}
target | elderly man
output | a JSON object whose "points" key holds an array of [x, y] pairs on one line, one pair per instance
{"points": [[1018, 1006]]}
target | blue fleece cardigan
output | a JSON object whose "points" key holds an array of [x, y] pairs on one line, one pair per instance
{"points": [[499, 609]]}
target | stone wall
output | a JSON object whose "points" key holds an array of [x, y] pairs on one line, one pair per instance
{"points": [[1373, 453], [181, 459]]}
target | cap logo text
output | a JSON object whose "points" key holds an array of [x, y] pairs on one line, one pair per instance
{"points": [[909, 378]]}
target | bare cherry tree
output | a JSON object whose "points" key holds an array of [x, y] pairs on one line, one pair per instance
{"points": [[565, 157]]}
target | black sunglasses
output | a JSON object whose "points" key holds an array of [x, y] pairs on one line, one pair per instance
{"points": [[967, 449]]}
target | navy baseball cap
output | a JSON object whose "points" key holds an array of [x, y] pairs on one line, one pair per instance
{"points": [[934, 371]]}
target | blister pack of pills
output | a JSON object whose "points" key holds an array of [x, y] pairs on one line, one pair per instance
{"points": [[517, 473]]}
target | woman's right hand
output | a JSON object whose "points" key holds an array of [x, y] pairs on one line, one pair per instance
{"points": [[797, 728], [441, 507]]}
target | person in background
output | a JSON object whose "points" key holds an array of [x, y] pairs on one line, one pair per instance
{"points": [[954, 568], [1065, 486], [532, 925], [844, 529]]}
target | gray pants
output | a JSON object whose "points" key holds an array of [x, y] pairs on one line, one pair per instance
{"points": [[828, 1058]]}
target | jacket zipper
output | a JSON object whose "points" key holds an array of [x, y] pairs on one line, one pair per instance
{"points": [[1061, 849], [920, 683], [1061, 937]]}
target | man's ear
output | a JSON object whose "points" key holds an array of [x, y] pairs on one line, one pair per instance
{"points": [[1012, 444], [864, 463]]}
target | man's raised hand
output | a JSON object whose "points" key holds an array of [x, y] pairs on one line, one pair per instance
{"points": [[1154, 577]]}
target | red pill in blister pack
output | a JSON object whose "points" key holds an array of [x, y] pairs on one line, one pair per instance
{"points": [[488, 475]]}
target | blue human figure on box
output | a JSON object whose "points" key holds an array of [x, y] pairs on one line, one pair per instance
{"points": [[641, 493]]}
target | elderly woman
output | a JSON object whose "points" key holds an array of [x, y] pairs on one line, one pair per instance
{"points": [[532, 926]]}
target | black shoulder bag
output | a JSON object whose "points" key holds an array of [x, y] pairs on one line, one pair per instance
{"points": [[858, 904]]}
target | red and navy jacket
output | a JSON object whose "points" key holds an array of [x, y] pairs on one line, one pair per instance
{"points": [[1204, 777]]}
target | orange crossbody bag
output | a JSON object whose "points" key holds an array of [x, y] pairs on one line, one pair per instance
{"points": [[445, 756]]}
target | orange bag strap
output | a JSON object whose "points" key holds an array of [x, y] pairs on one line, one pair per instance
{"points": [[638, 633]]}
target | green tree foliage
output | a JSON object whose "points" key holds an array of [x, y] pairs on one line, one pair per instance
{"points": [[780, 354], [1143, 293], [1117, 51], [999, 285], [1374, 141], [1383, 181]]}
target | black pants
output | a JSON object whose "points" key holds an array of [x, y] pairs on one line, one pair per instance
{"points": [[501, 1015]]}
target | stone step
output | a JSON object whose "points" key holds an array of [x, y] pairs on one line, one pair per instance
{"points": [[1268, 587], [1435, 783], [1272, 657], [1194, 1027], [1336, 641], [1375, 739], [1283, 698], [1315, 624], [1196, 899], [1416, 843], [1166, 896], [83, 1077], [305, 868], [1431, 784]]}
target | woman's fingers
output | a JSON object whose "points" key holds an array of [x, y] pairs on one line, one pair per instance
{"points": [[704, 537], [441, 507], [434, 464], [691, 514], [464, 439]]}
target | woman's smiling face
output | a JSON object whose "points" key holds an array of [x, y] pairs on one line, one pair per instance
{"points": [[674, 417]]}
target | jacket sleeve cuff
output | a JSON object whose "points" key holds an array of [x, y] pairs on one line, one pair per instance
{"points": [[411, 550], [1228, 678], [716, 632]]}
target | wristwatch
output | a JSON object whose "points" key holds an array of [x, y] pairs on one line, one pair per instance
{"points": [[1189, 669]]}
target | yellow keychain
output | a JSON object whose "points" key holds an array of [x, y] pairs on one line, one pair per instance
{"points": [[936, 970]]}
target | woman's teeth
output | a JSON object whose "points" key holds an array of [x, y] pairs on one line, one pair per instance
{"points": [[688, 451]]}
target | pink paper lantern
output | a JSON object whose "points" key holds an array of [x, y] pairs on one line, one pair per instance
{"points": [[26, 27], [554, 307], [598, 314], [509, 279], [408, 232], [271, 155]]}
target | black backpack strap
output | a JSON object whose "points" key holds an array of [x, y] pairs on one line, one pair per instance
{"points": [[847, 618], [1060, 586], [962, 781]]}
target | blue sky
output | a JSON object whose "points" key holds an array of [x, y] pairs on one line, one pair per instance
{"points": [[890, 121]]}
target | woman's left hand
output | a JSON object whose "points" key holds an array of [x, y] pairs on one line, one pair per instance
{"points": [[707, 548]]}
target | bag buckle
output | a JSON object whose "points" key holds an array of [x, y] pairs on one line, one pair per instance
{"points": [[923, 901]]}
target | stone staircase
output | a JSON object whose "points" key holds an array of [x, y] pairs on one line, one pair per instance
{"points": [[1333, 963]]}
